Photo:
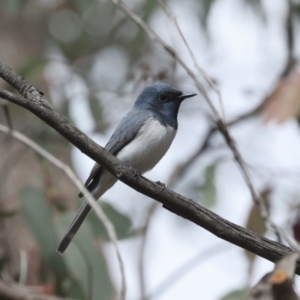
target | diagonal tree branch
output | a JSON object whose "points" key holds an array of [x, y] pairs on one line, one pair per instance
{"points": [[223, 129], [186, 208]]}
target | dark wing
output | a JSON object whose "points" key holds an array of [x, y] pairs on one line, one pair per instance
{"points": [[124, 134]]}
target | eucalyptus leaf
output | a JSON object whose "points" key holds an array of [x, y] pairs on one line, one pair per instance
{"points": [[8, 214], [204, 12], [37, 216], [97, 113], [257, 7], [236, 294], [256, 223], [14, 7], [86, 261], [33, 68], [3, 261], [121, 222], [208, 189], [138, 41]]}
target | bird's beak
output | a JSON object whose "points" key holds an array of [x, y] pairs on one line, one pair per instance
{"points": [[185, 96]]}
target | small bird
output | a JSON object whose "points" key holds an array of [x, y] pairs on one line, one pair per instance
{"points": [[141, 140]]}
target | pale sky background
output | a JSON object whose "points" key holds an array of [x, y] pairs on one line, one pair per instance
{"points": [[243, 54]]}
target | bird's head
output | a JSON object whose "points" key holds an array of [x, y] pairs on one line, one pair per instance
{"points": [[163, 99]]}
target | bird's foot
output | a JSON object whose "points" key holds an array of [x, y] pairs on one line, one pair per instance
{"points": [[133, 170], [161, 185]]}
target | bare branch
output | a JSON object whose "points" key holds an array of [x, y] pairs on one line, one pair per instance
{"points": [[220, 123], [76, 181], [172, 201], [211, 83]]}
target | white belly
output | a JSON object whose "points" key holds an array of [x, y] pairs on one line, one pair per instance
{"points": [[143, 153], [149, 146]]}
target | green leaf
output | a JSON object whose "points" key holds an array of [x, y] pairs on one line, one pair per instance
{"points": [[3, 261], [121, 222], [33, 68], [97, 113], [236, 295], [83, 5], [38, 218], [256, 224], [208, 189], [8, 214], [257, 7], [204, 12], [39, 221], [86, 261], [137, 44], [14, 7]]}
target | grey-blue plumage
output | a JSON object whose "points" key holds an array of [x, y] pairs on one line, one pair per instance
{"points": [[141, 139]]}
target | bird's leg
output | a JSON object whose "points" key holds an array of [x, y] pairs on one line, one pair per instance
{"points": [[161, 185], [133, 170]]}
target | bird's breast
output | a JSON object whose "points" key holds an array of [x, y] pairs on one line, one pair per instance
{"points": [[149, 146]]}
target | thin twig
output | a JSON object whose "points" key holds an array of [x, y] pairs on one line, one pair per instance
{"points": [[4, 105], [76, 181], [220, 123], [33, 101], [23, 267], [209, 80], [153, 36], [182, 168]]}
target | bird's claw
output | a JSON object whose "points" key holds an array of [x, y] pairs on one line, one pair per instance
{"points": [[133, 170], [161, 185]]}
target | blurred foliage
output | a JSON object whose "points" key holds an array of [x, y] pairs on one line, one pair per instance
{"points": [[14, 7], [236, 295], [208, 189], [86, 261], [7, 214], [204, 12], [41, 226], [35, 35], [139, 39], [255, 223], [78, 271], [3, 262], [284, 102], [205, 191], [121, 222], [33, 69], [97, 113]]}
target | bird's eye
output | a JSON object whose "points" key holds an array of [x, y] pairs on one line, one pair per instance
{"points": [[164, 97]]}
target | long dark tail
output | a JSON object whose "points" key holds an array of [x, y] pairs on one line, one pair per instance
{"points": [[74, 226]]}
